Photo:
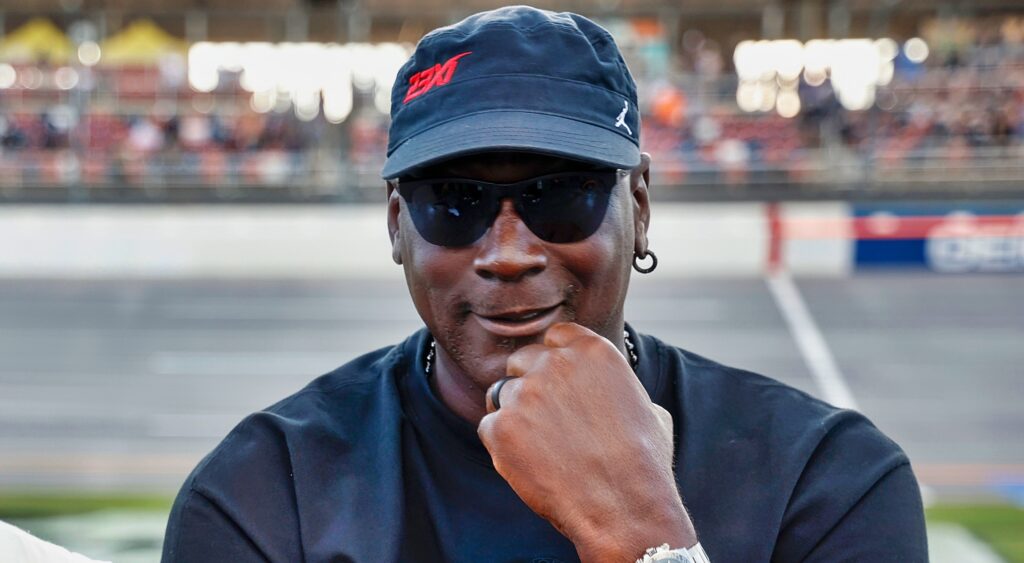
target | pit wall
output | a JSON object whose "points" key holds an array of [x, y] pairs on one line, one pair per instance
{"points": [[691, 239]]}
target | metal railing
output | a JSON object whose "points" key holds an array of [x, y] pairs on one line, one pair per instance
{"points": [[323, 175]]}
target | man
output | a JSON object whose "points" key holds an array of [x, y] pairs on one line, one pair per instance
{"points": [[527, 421]]}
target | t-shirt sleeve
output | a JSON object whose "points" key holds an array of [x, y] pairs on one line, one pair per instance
{"points": [[856, 500], [885, 525], [199, 531]]}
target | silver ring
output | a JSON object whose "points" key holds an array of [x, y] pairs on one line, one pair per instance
{"points": [[496, 391]]}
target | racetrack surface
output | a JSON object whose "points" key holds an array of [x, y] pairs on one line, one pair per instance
{"points": [[116, 384]]}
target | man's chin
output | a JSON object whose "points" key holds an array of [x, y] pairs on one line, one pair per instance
{"points": [[485, 369], [483, 357]]}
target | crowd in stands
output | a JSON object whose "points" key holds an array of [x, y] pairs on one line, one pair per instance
{"points": [[965, 100], [163, 129], [969, 99], [107, 148]]}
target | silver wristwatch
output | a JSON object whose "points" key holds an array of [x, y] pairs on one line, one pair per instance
{"points": [[694, 554]]}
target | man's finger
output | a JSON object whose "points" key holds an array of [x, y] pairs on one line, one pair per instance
{"points": [[523, 359], [502, 390], [562, 334]]}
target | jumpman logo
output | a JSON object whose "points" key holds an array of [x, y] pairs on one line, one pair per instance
{"points": [[620, 121]]}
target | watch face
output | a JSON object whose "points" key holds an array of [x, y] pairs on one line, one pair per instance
{"points": [[675, 556]]}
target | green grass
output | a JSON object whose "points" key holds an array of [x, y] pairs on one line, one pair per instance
{"points": [[999, 525], [40, 505]]}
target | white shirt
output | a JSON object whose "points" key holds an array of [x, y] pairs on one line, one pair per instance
{"points": [[19, 546]]}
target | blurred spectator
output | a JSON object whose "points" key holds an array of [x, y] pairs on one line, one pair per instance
{"points": [[966, 100], [145, 136]]}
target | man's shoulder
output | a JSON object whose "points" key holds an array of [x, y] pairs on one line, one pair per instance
{"points": [[332, 413], [739, 417], [348, 383], [752, 444], [737, 398]]}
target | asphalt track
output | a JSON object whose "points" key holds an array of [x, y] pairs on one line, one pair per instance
{"points": [[126, 384]]}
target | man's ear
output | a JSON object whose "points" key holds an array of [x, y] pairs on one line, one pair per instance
{"points": [[394, 232], [639, 183]]}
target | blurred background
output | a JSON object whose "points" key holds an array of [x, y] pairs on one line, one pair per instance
{"points": [[192, 227]]}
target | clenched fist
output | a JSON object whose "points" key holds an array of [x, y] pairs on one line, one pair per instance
{"points": [[579, 440]]}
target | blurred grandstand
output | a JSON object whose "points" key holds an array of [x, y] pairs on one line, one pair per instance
{"points": [[228, 100]]}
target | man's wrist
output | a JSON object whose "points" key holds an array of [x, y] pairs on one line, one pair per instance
{"points": [[629, 536]]}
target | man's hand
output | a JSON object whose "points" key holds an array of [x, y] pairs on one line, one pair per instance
{"points": [[580, 441]]}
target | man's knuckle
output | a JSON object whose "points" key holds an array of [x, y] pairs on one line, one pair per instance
{"points": [[560, 361], [486, 426], [502, 428], [531, 391], [592, 344]]}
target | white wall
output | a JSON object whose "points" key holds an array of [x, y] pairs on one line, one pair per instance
{"points": [[691, 239]]}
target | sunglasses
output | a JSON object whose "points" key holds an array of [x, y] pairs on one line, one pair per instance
{"points": [[559, 208]]}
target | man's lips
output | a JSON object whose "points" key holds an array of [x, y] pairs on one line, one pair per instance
{"points": [[519, 322]]}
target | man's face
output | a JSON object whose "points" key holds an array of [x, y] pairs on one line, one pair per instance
{"points": [[485, 300]]}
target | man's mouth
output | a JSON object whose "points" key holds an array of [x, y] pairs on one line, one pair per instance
{"points": [[519, 316], [519, 322]]}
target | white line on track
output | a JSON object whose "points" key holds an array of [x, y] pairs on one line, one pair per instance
{"points": [[810, 341], [951, 542], [815, 350]]}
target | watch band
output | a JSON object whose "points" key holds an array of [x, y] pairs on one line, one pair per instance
{"points": [[699, 555], [693, 554]]}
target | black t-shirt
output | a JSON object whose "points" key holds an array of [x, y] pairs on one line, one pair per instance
{"points": [[366, 464]]}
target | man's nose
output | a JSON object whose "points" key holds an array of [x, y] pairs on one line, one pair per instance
{"points": [[509, 251]]}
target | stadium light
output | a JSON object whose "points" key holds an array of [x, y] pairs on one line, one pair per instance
{"points": [[769, 71], [855, 72], [887, 48], [230, 56], [749, 96], [815, 77], [916, 50], [203, 104], [786, 57], [751, 59], [389, 58], [857, 98], [338, 88], [89, 53], [31, 78], [263, 101], [787, 104], [769, 91], [301, 75], [203, 63], [8, 76], [817, 54], [258, 62], [65, 77]]}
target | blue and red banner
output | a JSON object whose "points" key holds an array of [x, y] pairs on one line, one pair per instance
{"points": [[943, 237]]}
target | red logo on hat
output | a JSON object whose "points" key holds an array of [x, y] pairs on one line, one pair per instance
{"points": [[437, 75]]}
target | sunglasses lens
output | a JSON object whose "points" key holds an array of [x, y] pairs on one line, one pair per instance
{"points": [[566, 208], [451, 213], [560, 208]]}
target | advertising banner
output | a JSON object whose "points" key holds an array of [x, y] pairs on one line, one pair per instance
{"points": [[943, 237]]}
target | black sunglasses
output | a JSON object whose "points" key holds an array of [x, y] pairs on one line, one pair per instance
{"points": [[560, 208]]}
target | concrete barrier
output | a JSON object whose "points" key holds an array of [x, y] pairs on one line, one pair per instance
{"points": [[691, 239]]}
